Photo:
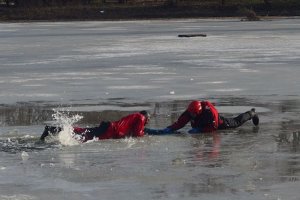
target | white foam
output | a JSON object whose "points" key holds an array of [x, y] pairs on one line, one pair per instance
{"points": [[24, 156], [130, 141], [65, 137]]}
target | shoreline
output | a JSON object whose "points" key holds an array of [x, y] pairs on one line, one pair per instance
{"points": [[262, 18], [127, 13]]}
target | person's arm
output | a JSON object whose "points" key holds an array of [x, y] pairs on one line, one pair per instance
{"points": [[151, 131], [138, 127], [214, 122], [181, 121]]}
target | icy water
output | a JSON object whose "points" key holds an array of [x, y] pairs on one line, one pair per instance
{"points": [[84, 72]]}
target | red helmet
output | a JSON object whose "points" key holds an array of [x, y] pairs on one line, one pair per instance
{"points": [[195, 107]]}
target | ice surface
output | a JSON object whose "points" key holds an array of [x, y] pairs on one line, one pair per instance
{"points": [[104, 58], [105, 70]]}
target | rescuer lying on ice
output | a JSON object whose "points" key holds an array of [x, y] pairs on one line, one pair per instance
{"points": [[204, 117], [132, 125]]}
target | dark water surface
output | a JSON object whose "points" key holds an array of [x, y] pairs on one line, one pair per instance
{"points": [[93, 71]]}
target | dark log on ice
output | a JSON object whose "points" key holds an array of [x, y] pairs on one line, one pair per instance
{"points": [[192, 35]]}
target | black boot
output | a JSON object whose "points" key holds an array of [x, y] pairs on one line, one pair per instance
{"points": [[45, 133], [254, 116], [50, 129]]}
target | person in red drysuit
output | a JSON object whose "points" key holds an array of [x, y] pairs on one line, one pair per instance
{"points": [[129, 126], [204, 117]]}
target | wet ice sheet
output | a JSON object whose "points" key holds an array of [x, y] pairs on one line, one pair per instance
{"points": [[78, 61], [244, 163], [105, 70]]}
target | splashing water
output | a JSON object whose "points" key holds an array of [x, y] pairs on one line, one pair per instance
{"points": [[66, 136], [130, 141]]}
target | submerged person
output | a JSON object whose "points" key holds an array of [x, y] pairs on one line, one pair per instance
{"points": [[204, 117], [129, 126]]}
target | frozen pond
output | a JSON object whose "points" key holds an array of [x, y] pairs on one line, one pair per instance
{"points": [[105, 70]]}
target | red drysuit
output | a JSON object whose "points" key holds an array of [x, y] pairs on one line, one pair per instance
{"points": [[206, 121], [130, 125]]}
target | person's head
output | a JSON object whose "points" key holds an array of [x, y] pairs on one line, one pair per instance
{"points": [[146, 114], [194, 108]]}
